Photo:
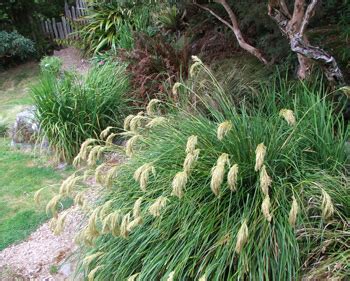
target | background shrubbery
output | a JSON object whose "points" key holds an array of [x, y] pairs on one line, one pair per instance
{"points": [[14, 46]]}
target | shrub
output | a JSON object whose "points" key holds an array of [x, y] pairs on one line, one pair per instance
{"points": [[74, 108], [153, 62], [111, 24], [220, 194], [14, 46], [51, 64]]}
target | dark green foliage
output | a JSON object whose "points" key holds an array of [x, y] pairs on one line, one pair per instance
{"points": [[15, 47], [74, 108], [111, 26]]}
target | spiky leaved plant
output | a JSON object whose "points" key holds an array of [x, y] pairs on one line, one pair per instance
{"points": [[255, 199]]}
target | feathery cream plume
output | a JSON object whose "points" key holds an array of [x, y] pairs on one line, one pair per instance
{"points": [[106, 223], [88, 259], [67, 184], [176, 86], [327, 205], [134, 223], [179, 183], [194, 67], [150, 106], [171, 276], [242, 237], [288, 115], [98, 173], [136, 122], [191, 144], [223, 129], [105, 208], [265, 180], [84, 148], [196, 59], [293, 212], [136, 212], [79, 199], [129, 147], [111, 175], [91, 161], [115, 223], [109, 140], [77, 161], [260, 153], [155, 122], [52, 204], [217, 177], [156, 207], [265, 208], [92, 223], [124, 226], [218, 173], [37, 195], [60, 224], [87, 174], [203, 278], [145, 176], [190, 160], [142, 174], [232, 177], [127, 121], [91, 275], [133, 277], [223, 160], [105, 132]]}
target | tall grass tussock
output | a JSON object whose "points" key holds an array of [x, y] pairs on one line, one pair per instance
{"points": [[72, 108], [217, 192]]}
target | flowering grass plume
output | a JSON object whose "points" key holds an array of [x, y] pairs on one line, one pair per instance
{"points": [[156, 122], [105, 132], [260, 153], [190, 160], [151, 106], [223, 129], [157, 206], [293, 212], [327, 205], [191, 144], [129, 147], [242, 237], [232, 177], [218, 173], [179, 184], [265, 208], [127, 121], [265, 181], [288, 115]]}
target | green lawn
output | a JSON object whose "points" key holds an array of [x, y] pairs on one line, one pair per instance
{"points": [[21, 173]]}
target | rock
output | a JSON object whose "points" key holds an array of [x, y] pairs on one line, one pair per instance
{"points": [[26, 127]]}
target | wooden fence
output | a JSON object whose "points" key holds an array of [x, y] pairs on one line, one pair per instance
{"points": [[64, 27]]}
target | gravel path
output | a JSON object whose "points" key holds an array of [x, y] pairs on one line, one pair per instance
{"points": [[72, 60], [42, 252], [44, 256]]}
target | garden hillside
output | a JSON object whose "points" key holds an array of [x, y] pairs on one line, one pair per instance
{"points": [[192, 140]]}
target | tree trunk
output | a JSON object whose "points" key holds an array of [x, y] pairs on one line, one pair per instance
{"points": [[234, 26], [294, 28]]}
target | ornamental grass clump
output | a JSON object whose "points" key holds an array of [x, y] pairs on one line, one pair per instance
{"points": [[265, 201], [72, 108]]}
